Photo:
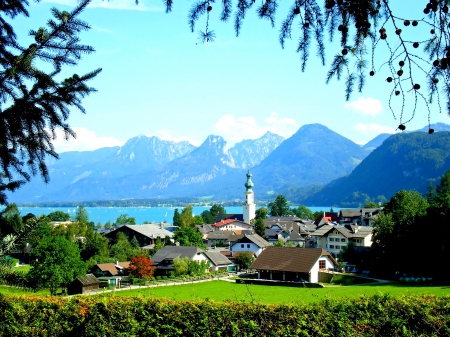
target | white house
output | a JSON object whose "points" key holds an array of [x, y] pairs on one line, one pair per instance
{"points": [[252, 243]]}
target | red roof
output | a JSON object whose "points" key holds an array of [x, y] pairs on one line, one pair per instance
{"points": [[225, 222]]}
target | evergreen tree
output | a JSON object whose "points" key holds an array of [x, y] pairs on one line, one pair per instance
{"points": [[207, 217], [280, 207], [176, 218], [34, 102], [258, 225], [135, 243], [215, 210], [365, 31]]}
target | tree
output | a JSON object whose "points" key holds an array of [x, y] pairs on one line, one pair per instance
{"points": [[304, 212], [207, 217], [198, 220], [370, 204], [279, 207], [366, 30], [279, 243], [141, 267], [10, 220], [55, 262], [58, 216], [397, 226], [186, 216], [121, 250], [35, 99], [261, 213], [125, 219], [215, 210], [158, 244], [176, 218], [181, 265], [244, 259], [135, 243], [258, 225], [188, 236]]}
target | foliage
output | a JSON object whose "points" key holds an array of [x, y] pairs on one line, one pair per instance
{"points": [[141, 267], [370, 33], [303, 212], [279, 243], [258, 226], [176, 218], [158, 244], [216, 209], [124, 219], [55, 261], [198, 220], [207, 217], [244, 259], [121, 250], [186, 216], [8, 244], [58, 216], [279, 207], [371, 204], [261, 213], [36, 102], [188, 236], [98, 316], [181, 265]]}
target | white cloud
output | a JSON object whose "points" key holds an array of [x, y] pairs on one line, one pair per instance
{"points": [[236, 129], [373, 129], [111, 4], [166, 135], [366, 106], [86, 140]]}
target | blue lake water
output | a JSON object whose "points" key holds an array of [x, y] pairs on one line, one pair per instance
{"points": [[141, 214]]}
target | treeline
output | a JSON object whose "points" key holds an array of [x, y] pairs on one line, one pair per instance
{"points": [[380, 315]]}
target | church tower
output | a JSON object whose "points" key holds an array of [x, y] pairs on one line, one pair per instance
{"points": [[249, 206]]}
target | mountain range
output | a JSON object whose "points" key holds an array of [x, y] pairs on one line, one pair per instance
{"points": [[299, 167]]}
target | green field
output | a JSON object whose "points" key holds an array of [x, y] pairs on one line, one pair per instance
{"points": [[223, 291]]}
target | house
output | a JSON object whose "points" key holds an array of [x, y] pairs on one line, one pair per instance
{"points": [[231, 225], [289, 238], [111, 273], [247, 243], [333, 238], [204, 229], [281, 221], [363, 216], [163, 258], [145, 234], [218, 261], [325, 218], [292, 264], [83, 284], [219, 238]]}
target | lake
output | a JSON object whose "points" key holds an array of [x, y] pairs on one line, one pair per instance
{"points": [[141, 214]]}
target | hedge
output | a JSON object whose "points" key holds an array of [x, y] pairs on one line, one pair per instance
{"points": [[379, 315]]}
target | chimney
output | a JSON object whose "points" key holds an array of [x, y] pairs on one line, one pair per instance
{"points": [[117, 262]]}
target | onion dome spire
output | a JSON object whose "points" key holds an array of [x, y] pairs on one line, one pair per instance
{"points": [[249, 184]]}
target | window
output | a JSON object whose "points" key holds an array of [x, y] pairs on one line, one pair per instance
{"points": [[321, 264], [331, 246], [342, 240], [248, 245], [242, 245], [358, 240], [331, 239]]}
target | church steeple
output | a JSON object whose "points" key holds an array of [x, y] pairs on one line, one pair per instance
{"points": [[249, 205]]}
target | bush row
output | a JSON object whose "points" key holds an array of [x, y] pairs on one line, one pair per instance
{"points": [[379, 315]]}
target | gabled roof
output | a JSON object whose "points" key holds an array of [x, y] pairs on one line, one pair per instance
{"points": [[112, 267], [87, 280], [172, 252], [228, 221], [148, 230], [282, 218], [254, 238], [205, 229], [217, 258], [220, 235], [329, 217], [221, 217], [299, 260], [349, 231]]}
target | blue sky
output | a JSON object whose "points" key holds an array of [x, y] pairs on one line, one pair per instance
{"points": [[158, 79]]}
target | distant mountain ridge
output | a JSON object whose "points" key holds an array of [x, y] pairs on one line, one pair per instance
{"points": [[148, 167], [404, 161]]}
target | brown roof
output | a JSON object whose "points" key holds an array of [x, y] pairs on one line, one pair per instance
{"points": [[299, 260], [111, 267], [88, 279]]}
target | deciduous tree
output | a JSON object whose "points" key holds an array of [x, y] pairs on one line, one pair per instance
{"points": [[141, 267], [244, 259], [188, 236], [55, 262]]}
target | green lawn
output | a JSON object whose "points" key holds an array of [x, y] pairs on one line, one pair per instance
{"points": [[225, 291]]}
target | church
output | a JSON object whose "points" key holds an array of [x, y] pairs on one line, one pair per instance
{"points": [[248, 208]]}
